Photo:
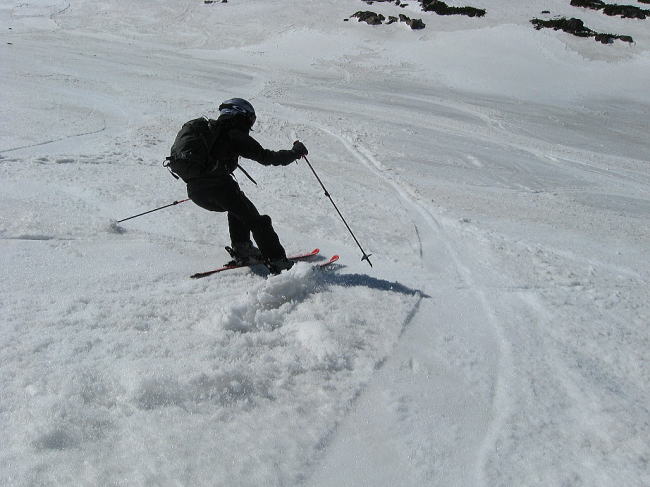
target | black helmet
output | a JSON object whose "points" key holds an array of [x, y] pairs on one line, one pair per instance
{"points": [[238, 107]]}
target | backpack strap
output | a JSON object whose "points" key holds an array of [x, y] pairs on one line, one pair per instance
{"points": [[166, 163], [219, 127], [214, 126], [214, 130]]}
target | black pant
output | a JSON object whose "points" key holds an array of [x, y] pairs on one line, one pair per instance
{"points": [[223, 194]]}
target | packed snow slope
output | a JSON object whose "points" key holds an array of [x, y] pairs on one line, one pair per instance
{"points": [[498, 175]]}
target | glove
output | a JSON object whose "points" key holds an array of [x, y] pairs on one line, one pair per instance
{"points": [[299, 149]]}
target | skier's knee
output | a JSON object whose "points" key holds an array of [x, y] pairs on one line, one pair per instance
{"points": [[264, 222]]}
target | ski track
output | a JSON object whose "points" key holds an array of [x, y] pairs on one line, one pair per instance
{"points": [[501, 406], [67, 137]]}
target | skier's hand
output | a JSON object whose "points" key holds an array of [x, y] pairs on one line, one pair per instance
{"points": [[299, 149]]}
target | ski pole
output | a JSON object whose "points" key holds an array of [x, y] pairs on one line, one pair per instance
{"points": [[365, 257], [151, 211], [246, 174]]}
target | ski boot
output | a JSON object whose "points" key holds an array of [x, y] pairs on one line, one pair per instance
{"points": [[244, 253], [276, 266]]}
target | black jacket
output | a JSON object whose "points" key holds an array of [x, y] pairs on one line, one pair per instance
{"points": [[235, 142]]}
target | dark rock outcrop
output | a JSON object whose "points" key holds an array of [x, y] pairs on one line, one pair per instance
{"points": [[374, 18], [441, 8], [414, 24], [624, 11], [396, 2], [571, 26], [577, 28], [370, 18], [610, 38]]}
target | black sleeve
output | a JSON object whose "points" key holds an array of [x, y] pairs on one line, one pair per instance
{"points": [[246, 146]]}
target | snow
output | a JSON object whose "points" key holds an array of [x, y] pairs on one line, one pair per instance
{"points": [[498, 175]]}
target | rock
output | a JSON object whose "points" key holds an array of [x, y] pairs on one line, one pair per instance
{"points": [[572, 26], [609, 38], [371, 18], [415, 24], [441, 8], [624, 11], [577, 28]]}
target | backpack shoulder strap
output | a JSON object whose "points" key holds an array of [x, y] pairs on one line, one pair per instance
{"points": [[214, 132]]}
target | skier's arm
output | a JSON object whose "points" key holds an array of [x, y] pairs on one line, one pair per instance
{"points": [[246, 146]]}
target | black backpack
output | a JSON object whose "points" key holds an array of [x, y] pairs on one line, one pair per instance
{"points": [[190, 154]]}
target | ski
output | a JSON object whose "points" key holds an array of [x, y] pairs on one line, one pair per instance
{"points": [[307, 255], [331, 260]]}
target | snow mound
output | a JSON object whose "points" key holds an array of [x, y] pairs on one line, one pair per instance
{"points": [[266, 304]]}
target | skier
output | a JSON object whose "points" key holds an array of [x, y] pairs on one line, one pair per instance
{"points": [[218, 190]]}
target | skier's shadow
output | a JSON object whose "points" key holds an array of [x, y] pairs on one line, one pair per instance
{"points": [[331, 277], [350, 280]]}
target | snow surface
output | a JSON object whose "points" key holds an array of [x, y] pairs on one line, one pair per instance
{"points": [[498, 174]]}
